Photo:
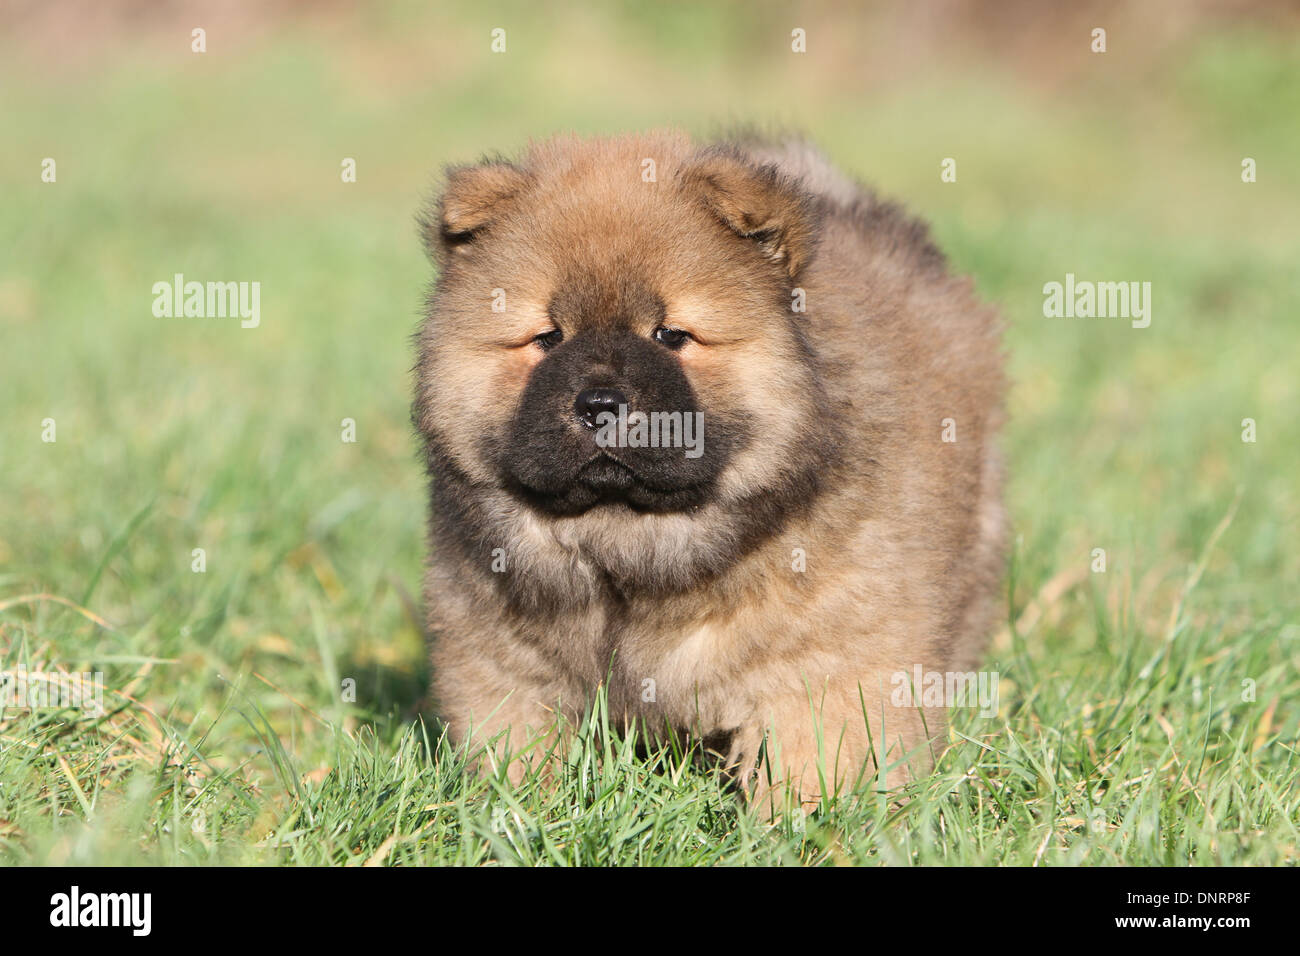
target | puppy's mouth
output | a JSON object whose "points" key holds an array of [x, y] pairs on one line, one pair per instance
{"points": [[604, 473], [606, 480]]}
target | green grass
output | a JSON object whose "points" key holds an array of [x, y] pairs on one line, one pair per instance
{"points": [[1128, 731]]}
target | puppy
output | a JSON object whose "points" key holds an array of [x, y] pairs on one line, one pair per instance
{"points": [[714, 427]]}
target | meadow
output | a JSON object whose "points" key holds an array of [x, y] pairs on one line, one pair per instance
{"points": [[1149, 711]]}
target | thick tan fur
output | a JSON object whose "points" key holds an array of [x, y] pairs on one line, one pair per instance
{"points": [[699, 620]]}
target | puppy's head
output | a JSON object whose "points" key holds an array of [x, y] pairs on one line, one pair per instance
{"points": [[611, 341]]}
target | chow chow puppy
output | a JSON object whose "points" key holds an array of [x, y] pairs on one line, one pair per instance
{"points": [[814, 510]]}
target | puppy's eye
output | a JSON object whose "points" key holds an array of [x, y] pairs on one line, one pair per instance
{"points": [[548, 340], [670, 338]]}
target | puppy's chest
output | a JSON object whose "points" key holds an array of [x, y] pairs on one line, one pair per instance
{"points": [[683, 674], [661, 664]]}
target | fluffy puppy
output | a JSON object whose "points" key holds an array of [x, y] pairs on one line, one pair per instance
{"points": [[714, 427]]}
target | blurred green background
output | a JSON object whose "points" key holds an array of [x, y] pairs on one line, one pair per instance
{"points": [[175, 434]]}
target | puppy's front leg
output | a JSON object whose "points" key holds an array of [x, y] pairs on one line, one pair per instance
{"points": [[828, 741], [501, 720]]}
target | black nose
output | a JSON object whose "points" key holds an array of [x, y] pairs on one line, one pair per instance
{"points": [[591, 402]]}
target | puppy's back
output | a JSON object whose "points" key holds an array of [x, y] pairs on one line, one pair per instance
{"points": [[917, 362]]}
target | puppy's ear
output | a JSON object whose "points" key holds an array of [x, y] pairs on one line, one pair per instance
{"points": [[474, 198], [756, 202]]}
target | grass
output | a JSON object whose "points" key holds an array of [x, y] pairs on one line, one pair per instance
{"points": [[1149, 712]]}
